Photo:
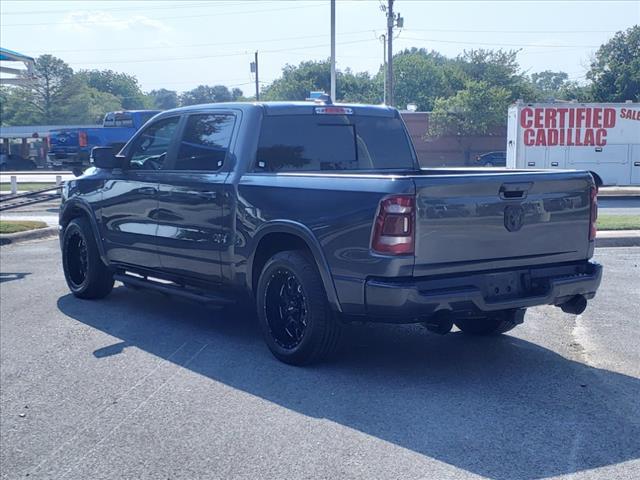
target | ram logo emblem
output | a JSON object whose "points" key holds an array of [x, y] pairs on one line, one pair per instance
{"points": [[513, 218]]}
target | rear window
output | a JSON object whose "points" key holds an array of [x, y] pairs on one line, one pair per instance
{"points": [[332, 142]]}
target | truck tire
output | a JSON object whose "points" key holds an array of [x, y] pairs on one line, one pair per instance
{"points": [[86, 275], [494, 324], [294, 314]]}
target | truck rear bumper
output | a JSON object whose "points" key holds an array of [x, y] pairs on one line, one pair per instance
{"points": [[413, 299]]}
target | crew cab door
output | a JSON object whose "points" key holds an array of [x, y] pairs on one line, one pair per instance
{"points": [[130, 198], [190, 233]]}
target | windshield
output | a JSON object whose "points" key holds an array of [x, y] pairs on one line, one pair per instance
{"points": [[333, 142]]}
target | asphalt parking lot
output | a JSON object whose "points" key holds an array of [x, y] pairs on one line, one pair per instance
{"points": [[143, 386]]}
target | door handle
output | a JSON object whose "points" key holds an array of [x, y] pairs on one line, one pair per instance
{"points": [[636, 164], [147, 190], [554, 164], [207, 195], [509, 191]]}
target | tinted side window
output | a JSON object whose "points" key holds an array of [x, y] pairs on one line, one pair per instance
{"points": [[150, 148], [205, 142]]}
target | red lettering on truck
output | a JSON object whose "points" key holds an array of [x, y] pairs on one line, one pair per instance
{"points": [[525, 118]]}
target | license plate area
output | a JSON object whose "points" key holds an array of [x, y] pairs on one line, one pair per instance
{"points": [[499, 286]]}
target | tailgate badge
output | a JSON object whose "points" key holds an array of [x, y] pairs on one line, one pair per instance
{"points": [[513, 217]]}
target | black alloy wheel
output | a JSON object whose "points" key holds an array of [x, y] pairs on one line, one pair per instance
{"points": [[86, 274], [77, 259], [296, 319], [286, 308]]}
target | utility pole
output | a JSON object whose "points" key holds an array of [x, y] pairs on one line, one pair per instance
{"points": [[257, 81], [390, 23], [333, 50]]}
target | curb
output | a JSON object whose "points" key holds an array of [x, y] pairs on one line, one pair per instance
{"points": [[618, 238], [8, 238]]}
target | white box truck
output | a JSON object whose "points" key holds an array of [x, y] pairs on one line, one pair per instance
{"points": [[602, 138]]}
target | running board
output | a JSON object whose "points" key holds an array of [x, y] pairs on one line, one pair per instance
{"points": [[173, 289]]}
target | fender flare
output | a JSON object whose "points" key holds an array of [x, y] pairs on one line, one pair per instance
{"points": [[306, 235], [79, 204]]}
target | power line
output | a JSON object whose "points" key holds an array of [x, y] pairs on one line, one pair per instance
{"points": [[174, 17], [198, 57], [179, 5], [498, 44], [444, 30], [196, 45]]}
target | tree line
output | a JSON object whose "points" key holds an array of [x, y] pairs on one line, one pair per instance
{"points": [[467, 95]]}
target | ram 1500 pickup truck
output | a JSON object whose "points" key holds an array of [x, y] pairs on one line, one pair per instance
{"points": [[320, 214], [69, 148]]}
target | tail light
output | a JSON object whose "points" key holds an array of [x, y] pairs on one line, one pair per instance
{"points": [[82, 138], [394, 228], [594, 213]]}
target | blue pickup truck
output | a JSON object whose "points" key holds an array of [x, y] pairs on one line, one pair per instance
{"points": [[69, 148], [319, 214]]}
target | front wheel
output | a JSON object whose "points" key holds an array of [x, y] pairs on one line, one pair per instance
{"points": [[493, 324], [296, 319], [86, 275]]}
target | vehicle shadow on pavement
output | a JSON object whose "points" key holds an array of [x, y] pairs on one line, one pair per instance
{"points": [[9, 276], [500, 407]]}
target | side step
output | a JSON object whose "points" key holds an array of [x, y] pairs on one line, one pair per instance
{"points": [[173, 289]]}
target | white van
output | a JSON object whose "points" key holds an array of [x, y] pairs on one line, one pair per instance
{"points": [[602, 138]]}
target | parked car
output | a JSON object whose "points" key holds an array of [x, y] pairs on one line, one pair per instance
{"points": [[492, 159], [69, 148], [11, 162], [320, 214]]}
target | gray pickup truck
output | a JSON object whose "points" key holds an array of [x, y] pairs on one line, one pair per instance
{"points": [[320, 215]]}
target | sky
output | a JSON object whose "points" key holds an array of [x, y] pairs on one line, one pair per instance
{"points": [[180, 45]]}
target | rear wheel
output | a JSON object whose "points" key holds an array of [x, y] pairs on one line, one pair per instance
{"points": [[86, 275], [296, 320], [494, 324]]}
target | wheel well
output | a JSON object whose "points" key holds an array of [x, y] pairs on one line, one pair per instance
{"points": [[596, 178], [70, 214], [271, 244]]}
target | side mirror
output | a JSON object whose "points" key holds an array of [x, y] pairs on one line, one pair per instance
{"points": [[104, 157]]}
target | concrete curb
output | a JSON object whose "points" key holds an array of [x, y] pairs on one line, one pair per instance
{"points": [[618, 238], [626, 192], [8, 238]]}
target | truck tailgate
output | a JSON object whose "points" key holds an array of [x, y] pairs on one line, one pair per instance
{"points": [[500, 220]]}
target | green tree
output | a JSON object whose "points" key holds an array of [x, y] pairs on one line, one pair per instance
{"points": [[498, 68], [121, 85], [615, 70], [207, 94], [420, 77], [297, 81], [48, 92], [164, 99], [17, 107], [88, 105], [549, 82], [479, 109]]}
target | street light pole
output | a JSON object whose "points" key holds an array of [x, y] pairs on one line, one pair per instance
{"points": [[333, 50], [383, 37], [390, 25]]}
